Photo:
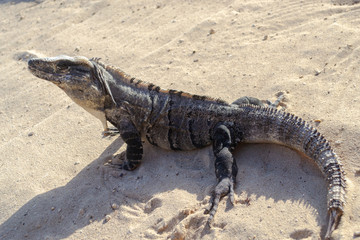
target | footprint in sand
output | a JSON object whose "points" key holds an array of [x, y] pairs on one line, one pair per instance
{"points": [[301, 234]]}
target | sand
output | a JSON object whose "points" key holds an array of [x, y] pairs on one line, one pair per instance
{"points": [[53, 182]]}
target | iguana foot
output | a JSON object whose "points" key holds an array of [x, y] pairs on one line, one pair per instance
{"points": [[121, 162], [110, 132], [223, 188], [248, 100], [117, 161], [277, 102], [262, 103]]}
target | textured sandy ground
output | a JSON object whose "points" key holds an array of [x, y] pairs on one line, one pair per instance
{"points": [[53, 182]]}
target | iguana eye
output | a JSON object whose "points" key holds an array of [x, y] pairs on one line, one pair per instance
{"points": [[62, 67]]}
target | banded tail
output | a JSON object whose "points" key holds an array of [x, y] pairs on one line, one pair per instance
{"points": [[268, 125]]}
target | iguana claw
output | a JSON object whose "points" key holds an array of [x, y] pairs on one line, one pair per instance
{"points": [[110, 132]]}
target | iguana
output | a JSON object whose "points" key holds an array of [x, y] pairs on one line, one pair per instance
{"points": [[177, 120]]}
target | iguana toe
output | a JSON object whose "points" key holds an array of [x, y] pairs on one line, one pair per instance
{"points": [[109, 132]]}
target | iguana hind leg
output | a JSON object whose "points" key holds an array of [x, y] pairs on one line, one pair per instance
{"points": [[248, 100], [258, 102], [225, 168], [278, 102]]}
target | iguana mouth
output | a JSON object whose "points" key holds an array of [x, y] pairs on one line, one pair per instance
{"points": [[44, 72]]}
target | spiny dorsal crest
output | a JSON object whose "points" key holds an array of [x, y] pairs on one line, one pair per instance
{"points": [[119, 74]]}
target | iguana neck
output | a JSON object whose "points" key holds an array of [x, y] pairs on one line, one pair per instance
{"points": [[122, 88]]}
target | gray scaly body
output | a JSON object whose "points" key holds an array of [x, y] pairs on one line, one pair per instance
{"points": [[177, 120]]}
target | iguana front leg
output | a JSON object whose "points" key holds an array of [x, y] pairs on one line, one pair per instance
{"points": [[134, 148], [225, 168]]}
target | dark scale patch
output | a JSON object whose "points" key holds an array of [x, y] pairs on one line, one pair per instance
{"points": [[289, 123], [134, 150], [151, 86], [152, 99], [313, 145], [95, 59], [132, 80], [149, 137], [138, 82], [172, 91], [150, 140], [335, 203], [172, 136], [189, 114], [287, 127], [170, 132], [325, 146], [320, 147], [238, 134], [331, 168], [298, 127], [220, 101], [309, 141], [157, 89], [133, 142], [171, 140], [193, 137], [210, 131], [129, 136], [175, 92], [267, 120], [337, 180], [284, 128], [197, 97]]}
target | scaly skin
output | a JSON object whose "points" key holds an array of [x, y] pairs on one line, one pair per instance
{"points": [[177, 120]]}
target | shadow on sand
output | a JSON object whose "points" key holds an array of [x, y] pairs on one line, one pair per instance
{"points": [[264, 170]]}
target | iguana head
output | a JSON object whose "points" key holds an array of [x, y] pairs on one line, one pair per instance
{"points": [[80, 78], [75, 75]]}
